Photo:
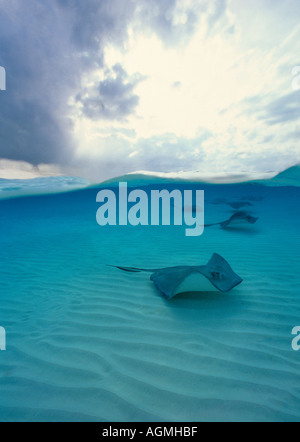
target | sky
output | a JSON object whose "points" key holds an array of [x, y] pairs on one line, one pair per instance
{"points": [[100, 88]]}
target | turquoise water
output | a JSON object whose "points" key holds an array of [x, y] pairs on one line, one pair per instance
{"points": [[87, 342]]}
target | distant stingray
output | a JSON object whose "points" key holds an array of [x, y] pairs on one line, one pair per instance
{"points": [[239, 205], [237, 218], [216, 274]]}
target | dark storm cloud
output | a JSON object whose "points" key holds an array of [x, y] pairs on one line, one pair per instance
{"points": [[95, 22], [45, 48], [114, 98], [32, 125], [29, 132]]}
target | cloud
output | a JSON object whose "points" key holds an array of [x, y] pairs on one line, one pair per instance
{"points": [[97, 22], [218, 10], [173, 21], [46, 49], [33, 124], [108, 87], [284, 109], [113, 98], [21, 170], [168, 152]]}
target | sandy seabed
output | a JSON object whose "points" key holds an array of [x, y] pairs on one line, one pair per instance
{"points": [[88, 342]]}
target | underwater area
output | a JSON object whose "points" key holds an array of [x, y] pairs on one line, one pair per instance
{"points": [[89, 342]]}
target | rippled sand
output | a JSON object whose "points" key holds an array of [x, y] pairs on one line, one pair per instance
{"points": [[87, 342]]}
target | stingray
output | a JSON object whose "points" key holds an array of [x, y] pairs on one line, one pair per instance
{"points": [[239, 204], [236, 218], [215, 275]]}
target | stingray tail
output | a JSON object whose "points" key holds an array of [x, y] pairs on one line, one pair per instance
{"points": [[224, 224], [130, 269], [211, 225]]}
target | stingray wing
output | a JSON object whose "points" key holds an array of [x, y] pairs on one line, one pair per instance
{"points": [[167, 280], [252, 219], [220, 274]]}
